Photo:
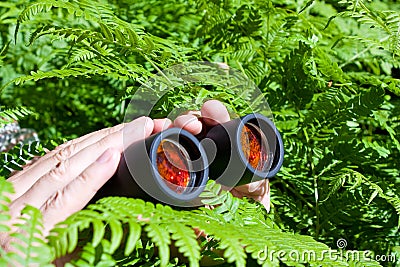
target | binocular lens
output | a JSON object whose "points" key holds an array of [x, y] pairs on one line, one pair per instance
{"points": [[174, 165], [255, 146]]}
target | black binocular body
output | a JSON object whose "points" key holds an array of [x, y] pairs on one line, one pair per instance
{"points": [[173, 166]]}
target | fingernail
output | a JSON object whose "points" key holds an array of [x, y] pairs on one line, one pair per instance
{"points": [[105, 157]]}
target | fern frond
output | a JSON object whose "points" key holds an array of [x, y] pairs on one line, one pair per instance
{"points": [[234, 249], [382, 117], [342, 104], [393, 21], [89, 256], [20, 155], [387, 21], [161, 224], [226, 205], [113, 69], [157, 234], [3, 52], [133, 237], [87, 9], [29, 240], [392, 199], [125, 38], [5, 188], [81, 54], [185, 241], [14, 114], [102, 50]]}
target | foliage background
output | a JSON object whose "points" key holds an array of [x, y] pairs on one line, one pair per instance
{"points": [[329, 70]]}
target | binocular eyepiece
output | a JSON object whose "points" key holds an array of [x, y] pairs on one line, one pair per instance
{"points": [[173, 166]]}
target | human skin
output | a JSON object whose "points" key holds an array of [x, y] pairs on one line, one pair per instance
{"points": [[64, 180]]}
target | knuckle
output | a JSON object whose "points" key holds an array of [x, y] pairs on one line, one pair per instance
{"points": [[59, 171], [64, 145], [65, 152], [84, 179], [54, 202]]}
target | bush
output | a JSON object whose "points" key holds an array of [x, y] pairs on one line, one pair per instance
{"points": [[329, 71]]}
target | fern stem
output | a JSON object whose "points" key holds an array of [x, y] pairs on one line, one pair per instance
{"points": [[374, 17], [362, 52], [241, 68], [157, 68]]}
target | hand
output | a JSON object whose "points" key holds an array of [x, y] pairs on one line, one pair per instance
{"points": [[65, 179], [212, 113]]}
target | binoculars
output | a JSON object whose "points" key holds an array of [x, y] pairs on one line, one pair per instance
{"points": [[173, 166]]}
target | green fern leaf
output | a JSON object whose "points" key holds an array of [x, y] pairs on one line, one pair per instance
{"points": [[234, 251], [30, 243], [133, 237], [5, 188], [14, 114], [161, 239], [185, 241], [98, 232], [89, 256], [116, 235]]}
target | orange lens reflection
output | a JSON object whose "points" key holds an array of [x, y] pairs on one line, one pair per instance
{"points": [[254, 146], [172, 163]]}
